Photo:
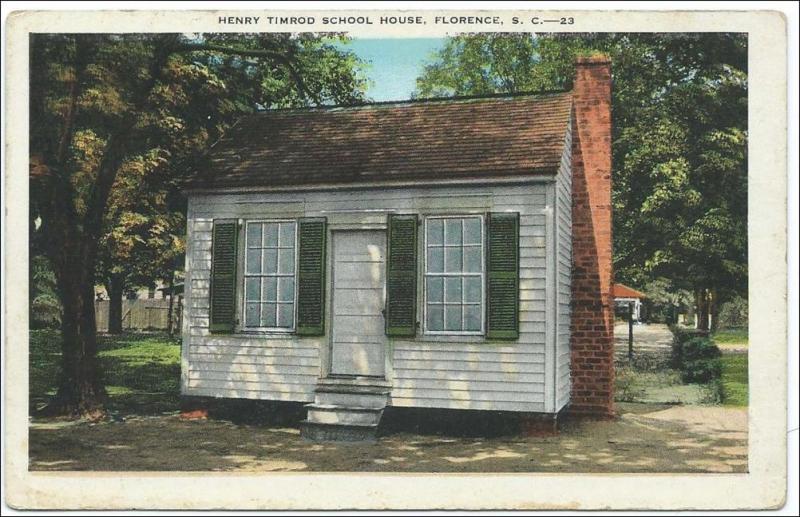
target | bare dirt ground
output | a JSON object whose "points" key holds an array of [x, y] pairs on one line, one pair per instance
{"points": [[644, 438]]}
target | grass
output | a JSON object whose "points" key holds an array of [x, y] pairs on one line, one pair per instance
{"points": [[734, 379], [731, 337], [141, 371]]}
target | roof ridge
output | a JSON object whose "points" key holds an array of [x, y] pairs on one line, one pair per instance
{"points": [[408, 102]]}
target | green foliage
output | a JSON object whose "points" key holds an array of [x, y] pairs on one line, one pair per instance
{"points": [[734, 380], [627, 386], [680, 335], [734, 314], [142, 372], [679, 143], [194, 98], [665, 300], [45, 308], [700, 361]]}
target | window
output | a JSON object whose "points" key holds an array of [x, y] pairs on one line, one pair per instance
{"points": [[269, 275], [454, 275]]}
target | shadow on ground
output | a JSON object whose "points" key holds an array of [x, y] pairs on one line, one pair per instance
{"points": [[645, 438]]}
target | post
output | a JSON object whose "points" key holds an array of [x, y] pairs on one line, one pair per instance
{"points": [[171, 298], [630, 331]]}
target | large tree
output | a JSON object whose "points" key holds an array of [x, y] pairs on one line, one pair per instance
{"points": [[679, 141], [116, 115]]}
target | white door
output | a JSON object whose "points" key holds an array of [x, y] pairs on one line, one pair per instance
{"points": [[358, 342]]}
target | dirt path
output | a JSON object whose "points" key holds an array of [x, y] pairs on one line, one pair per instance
{"points": [[653, 340], [643, 439]]}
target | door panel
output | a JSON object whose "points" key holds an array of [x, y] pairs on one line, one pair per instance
{"points": [[358, 342]]}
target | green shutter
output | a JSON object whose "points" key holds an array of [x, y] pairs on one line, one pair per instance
{"points": [[312, 237], [401, 276], [502, 270], [223, 276]]}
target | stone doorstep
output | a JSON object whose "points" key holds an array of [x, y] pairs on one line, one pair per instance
{"points": [[343, 415], [367, 385], [338, 432]]}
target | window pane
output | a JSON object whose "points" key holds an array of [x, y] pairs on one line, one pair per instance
{"points": [[253, 235], [270, 289], [452, 317], [435, 231], [270, 266], [435, 317], [472, 289], [268, 311], [434, 289], [252, 290], [452, 232], [251, 315], [253, 262], [472, 231], [452, 260], [271, 235], [472, 259], [287, 235], [452, 290], [286, 262], [285, 315], [435, 262], [472, 317], [286, 289]]}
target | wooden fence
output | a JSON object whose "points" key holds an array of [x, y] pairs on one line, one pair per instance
{"points": [[142, 314]]}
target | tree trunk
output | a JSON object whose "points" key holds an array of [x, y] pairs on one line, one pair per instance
{"points": [[116, 288], [80, 390], [713, 310], [171, 284], [702, 309]]}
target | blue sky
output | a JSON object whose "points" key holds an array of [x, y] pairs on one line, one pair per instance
{"points": [[394, 64]]}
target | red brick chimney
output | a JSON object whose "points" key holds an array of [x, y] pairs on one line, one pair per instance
{"points": [[592, 364]]}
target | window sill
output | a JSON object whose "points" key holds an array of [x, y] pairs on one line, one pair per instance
{"points": [[274, 334]]}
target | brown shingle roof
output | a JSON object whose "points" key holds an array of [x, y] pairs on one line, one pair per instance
{"points": [[444, 139]]}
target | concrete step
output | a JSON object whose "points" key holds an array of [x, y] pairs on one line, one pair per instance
{"points": [[343, 415], [337, 432], [352, 384], [359, 400]]}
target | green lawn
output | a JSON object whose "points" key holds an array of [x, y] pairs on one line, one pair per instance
{"points": [[142, 371], [734, 379], [731, 337]]}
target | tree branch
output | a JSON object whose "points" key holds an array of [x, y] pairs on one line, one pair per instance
{"points": [[279, 57], [116, 147]]}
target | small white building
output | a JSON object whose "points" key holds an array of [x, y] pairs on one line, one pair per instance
{"points": [[625, 296], [412, 254]]}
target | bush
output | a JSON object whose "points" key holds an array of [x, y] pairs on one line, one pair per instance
{"points": [[680, 336], [733, 314], [700, 361]]}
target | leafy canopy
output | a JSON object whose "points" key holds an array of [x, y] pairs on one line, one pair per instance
{"points": [[679, 146]]}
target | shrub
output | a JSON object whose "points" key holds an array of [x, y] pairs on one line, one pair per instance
{"points": [[680, 335], [628, 389], [733, 314], [700, 360]]}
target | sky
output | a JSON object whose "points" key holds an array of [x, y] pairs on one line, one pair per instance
{"points": [[394, 64]]}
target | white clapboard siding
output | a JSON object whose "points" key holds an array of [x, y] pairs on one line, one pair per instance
{"points": [[563, 273], [425, 372], [452, 403]]}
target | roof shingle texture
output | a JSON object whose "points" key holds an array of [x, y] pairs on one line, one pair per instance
{"points": [[415, 141]]}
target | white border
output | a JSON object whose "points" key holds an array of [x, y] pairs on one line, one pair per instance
{"points": [[763, 487]]}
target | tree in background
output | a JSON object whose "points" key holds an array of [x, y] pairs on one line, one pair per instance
{"points": [[679, 144], [116, 121]]}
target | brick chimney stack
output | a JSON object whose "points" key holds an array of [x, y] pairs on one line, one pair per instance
{"points": [[592, 365]]}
